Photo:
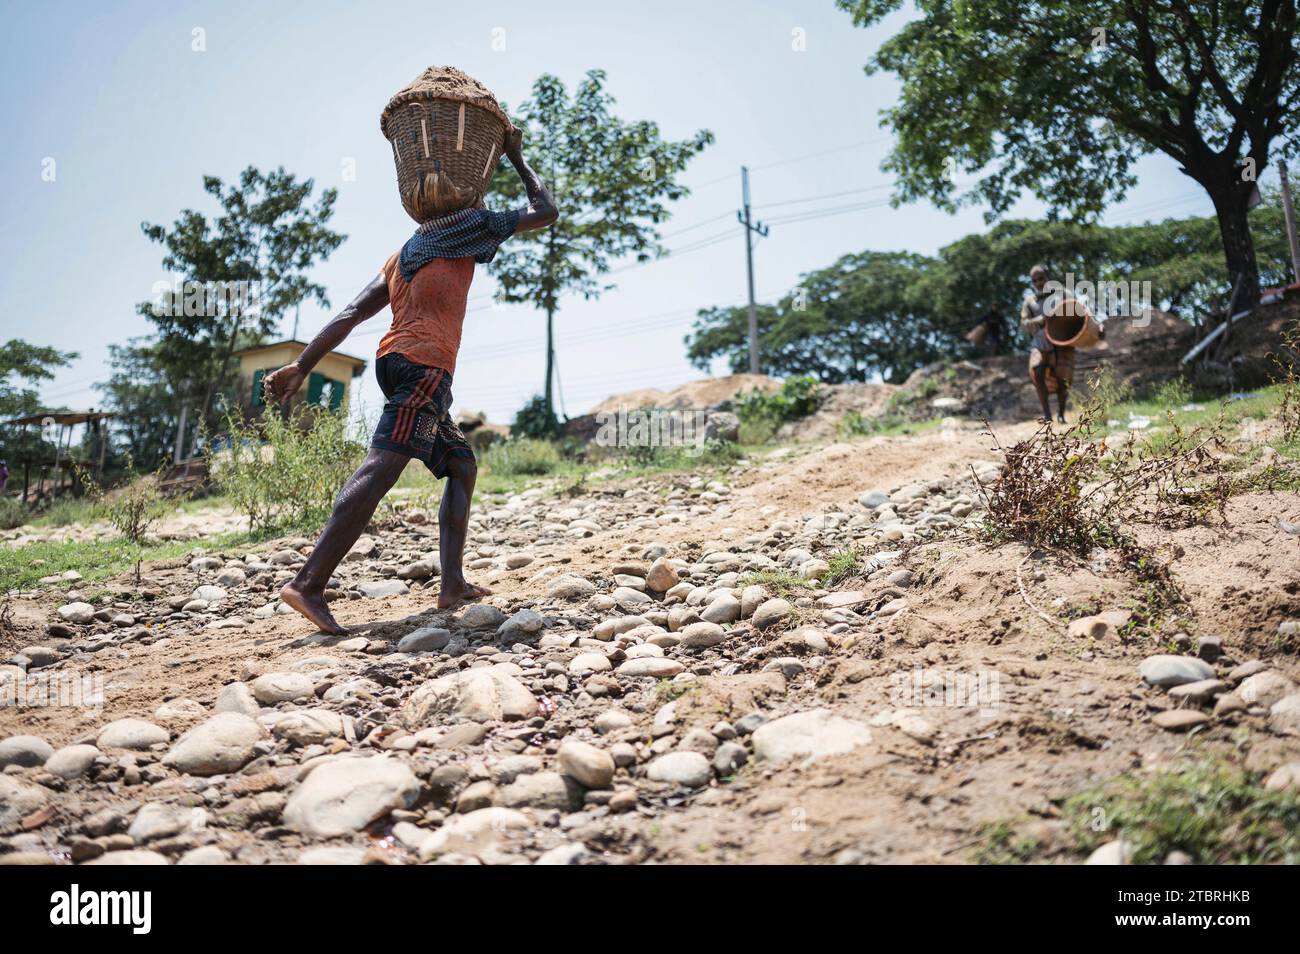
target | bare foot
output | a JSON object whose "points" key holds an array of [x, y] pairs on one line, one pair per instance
{"points": [[454, 592], [312, 606]]}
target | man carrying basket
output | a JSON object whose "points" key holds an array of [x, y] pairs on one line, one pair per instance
{"points": [[427, 283]]}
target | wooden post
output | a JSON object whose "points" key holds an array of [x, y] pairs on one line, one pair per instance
{"points": [[1289, 210]]}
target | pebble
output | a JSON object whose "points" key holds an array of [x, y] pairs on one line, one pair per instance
{"points": [[72, 761], [224, 743], [346, 794], [18, 799], [1165, 670], [77, 613], [1180, 720], [570, 587], [1264, 688], [590, 766], [723, 609], [810, 735], [690, 769], [481, 616], [273, 688], [475, 695], [236, 697], [130, 734], [1102, 626], [426, 639], [702, 635], [658, 667], [25, 751], [380, 589], [523, 623]]}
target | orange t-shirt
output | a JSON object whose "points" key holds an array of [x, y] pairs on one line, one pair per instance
{"points": [[428, 311]]}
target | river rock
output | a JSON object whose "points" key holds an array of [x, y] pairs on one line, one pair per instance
{"points": [[347, 794], [589, 766], [72, 761], [475, 695], [273, 688], [570, 587], [1166, 670], [224, 743], [130, 734], [690, 769], [426, 639], [18, 799], [25, 751], [809, 735]]}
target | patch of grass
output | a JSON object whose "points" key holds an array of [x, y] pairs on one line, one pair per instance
{"points": [[889, 423], [1215, 812], [522, 457], [106, 558], [12, 513], [1004, 844], [67, 512], [667, 691], [781, 582], [844, 565]]}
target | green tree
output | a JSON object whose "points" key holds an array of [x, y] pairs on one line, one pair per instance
{"points": [[139, 392], [857, 320], [1061, 98], [268, 234], [21, 365], [610, 177]]}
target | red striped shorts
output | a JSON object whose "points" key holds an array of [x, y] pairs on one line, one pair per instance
{"points": [[415, 421]]}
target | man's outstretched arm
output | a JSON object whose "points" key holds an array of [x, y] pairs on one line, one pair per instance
{"points": [[283, 384], [541, 210]]}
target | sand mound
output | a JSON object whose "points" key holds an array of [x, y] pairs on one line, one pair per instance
{"points": [[704, 393]]}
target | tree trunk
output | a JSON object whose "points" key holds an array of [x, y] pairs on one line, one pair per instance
{"points": [[1238, 246], [550, 359]]}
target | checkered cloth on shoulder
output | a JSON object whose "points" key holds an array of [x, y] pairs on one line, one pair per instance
{"points": [[469, 233]]}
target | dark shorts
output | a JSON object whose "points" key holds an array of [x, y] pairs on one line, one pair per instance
{"points": [[415, 420], [1059, 360]]}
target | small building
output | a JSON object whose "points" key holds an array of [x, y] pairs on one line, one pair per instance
{"points": [[329, 384]]}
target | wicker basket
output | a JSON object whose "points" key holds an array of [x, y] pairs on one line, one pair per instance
{"points": [[447, 132]]}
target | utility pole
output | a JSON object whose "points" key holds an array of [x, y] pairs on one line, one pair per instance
{"points": [[751, 227], [1289, 209], [178, 453]]}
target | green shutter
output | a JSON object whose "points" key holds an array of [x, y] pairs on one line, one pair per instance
{"points": [[315, 384], [257, 398], [336, 394]]}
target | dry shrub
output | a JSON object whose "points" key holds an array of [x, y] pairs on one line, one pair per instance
{"points": [[1065, 490]]}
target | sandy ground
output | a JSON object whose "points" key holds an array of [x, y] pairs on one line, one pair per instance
{"points": [[1067, 713]]}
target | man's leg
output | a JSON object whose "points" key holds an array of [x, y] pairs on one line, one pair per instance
{"points": [[1062, 388], [353, 508], [1040, 385], [453, 526]]}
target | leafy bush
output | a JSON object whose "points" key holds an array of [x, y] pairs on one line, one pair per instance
{"points": [[12, 513], [284, 470], [522, 456], [1109, 391], [1173, 393], [534, 420], [797, 397], [132, 508]]}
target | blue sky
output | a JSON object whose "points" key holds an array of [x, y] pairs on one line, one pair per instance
{"points": [[133, 117]]}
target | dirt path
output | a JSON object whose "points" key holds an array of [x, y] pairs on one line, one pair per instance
{"points": [[948, 670]]}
